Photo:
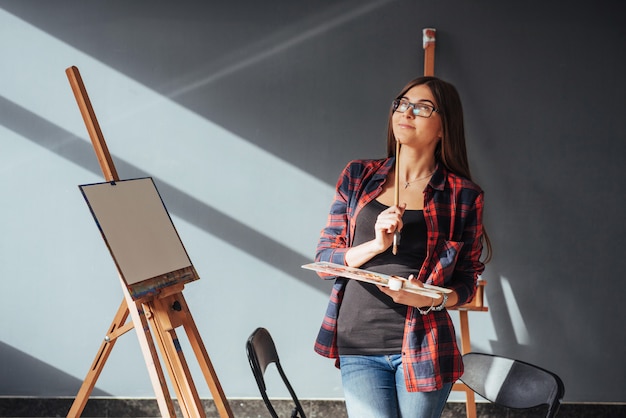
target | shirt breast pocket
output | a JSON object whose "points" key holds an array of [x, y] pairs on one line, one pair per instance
{"points": [[443, 262]]}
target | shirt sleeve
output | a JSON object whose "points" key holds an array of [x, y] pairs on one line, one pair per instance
{"points": [[333, 242], [469, 266]]}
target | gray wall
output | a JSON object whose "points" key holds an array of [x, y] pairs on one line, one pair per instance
{"points": [[245, 114]]}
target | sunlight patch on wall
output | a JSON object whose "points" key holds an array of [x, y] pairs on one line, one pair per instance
{"points": [[517, 320], [162, 138]]}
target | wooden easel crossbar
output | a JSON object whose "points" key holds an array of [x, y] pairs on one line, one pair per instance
{"points": [[155, 313]]}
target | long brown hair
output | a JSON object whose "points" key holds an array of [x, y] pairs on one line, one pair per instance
{"points": [[451, 150]]}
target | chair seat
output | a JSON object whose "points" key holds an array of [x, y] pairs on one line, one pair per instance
{"points": [[512, 383]]}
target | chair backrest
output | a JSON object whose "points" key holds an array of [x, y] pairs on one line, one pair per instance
{"points": [[512, 383], [261, 353]]}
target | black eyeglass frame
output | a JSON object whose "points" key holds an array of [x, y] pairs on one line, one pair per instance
{"points": [[416, 111]]}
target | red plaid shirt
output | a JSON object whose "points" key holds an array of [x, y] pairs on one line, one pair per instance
{"points": [[453, 208]]}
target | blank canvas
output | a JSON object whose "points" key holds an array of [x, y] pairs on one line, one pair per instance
{"points": [[137, 228]]}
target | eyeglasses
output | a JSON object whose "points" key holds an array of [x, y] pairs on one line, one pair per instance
{"points": [[419, 109]]}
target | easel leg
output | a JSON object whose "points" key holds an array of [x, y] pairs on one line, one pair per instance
{"points": [[169, 313], [210, 375], [177, 367], [119, 327], [146, 343], [470, 400], [98, 364]]}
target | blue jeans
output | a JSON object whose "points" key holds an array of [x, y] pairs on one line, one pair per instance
{"points": [[374, 388]]}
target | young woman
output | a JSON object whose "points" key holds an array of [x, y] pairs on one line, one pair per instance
{"points": [[397, 350]]}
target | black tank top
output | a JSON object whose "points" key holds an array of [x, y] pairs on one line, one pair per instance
{"points": [[370, 322]]}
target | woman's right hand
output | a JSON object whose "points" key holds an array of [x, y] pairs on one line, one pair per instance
{"points": [[387, 223]]}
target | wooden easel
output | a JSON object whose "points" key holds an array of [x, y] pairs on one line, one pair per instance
{"points": [[159, 315], [477, 304]]}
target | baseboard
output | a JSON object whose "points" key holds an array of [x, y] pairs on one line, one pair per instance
{"points": [[26, 407]]}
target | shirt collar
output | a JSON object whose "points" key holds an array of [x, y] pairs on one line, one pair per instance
{"points": [[438, 180]]}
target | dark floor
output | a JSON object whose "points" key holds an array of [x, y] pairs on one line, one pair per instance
{"points": [[254, 408]]}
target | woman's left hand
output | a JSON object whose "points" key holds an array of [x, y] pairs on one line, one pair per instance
{"points": [[409, 298]]}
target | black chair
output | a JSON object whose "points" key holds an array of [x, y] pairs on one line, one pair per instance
{"points": [[261, 353], [512, 383]]}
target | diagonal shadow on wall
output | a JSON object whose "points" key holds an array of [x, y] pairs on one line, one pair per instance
{"points": [[183, 205], [27, 375]]}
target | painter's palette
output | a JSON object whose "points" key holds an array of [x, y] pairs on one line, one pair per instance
{"points": [[375, 278]]}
